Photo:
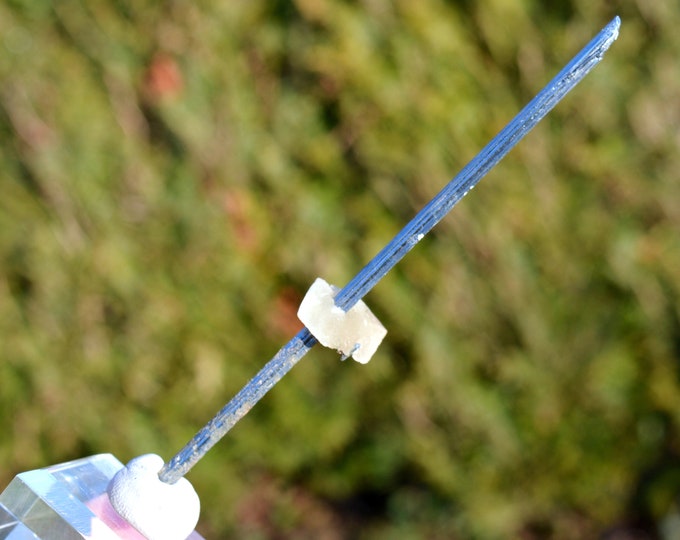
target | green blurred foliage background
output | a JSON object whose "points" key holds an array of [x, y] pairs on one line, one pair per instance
{"points": [[175, 174]]}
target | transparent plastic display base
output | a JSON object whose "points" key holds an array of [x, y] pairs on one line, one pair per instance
{"points": [[65, 502]]}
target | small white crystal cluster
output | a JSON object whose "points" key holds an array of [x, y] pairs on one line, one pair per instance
{"points": [[356, 333]]}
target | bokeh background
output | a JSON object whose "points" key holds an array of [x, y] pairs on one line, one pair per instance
{"points": [[174, 175]]}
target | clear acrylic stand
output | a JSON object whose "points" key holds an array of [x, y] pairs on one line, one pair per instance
{"points": [[65, 502]]}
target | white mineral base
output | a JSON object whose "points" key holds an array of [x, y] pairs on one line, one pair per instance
{"points": [[356, 333], [158, 510]]}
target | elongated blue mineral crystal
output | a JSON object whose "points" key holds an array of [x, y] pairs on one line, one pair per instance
{"points": [[393, 252]]}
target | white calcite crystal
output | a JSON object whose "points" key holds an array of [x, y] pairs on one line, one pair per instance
{"points": [[158, 510], [356, 333]]}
